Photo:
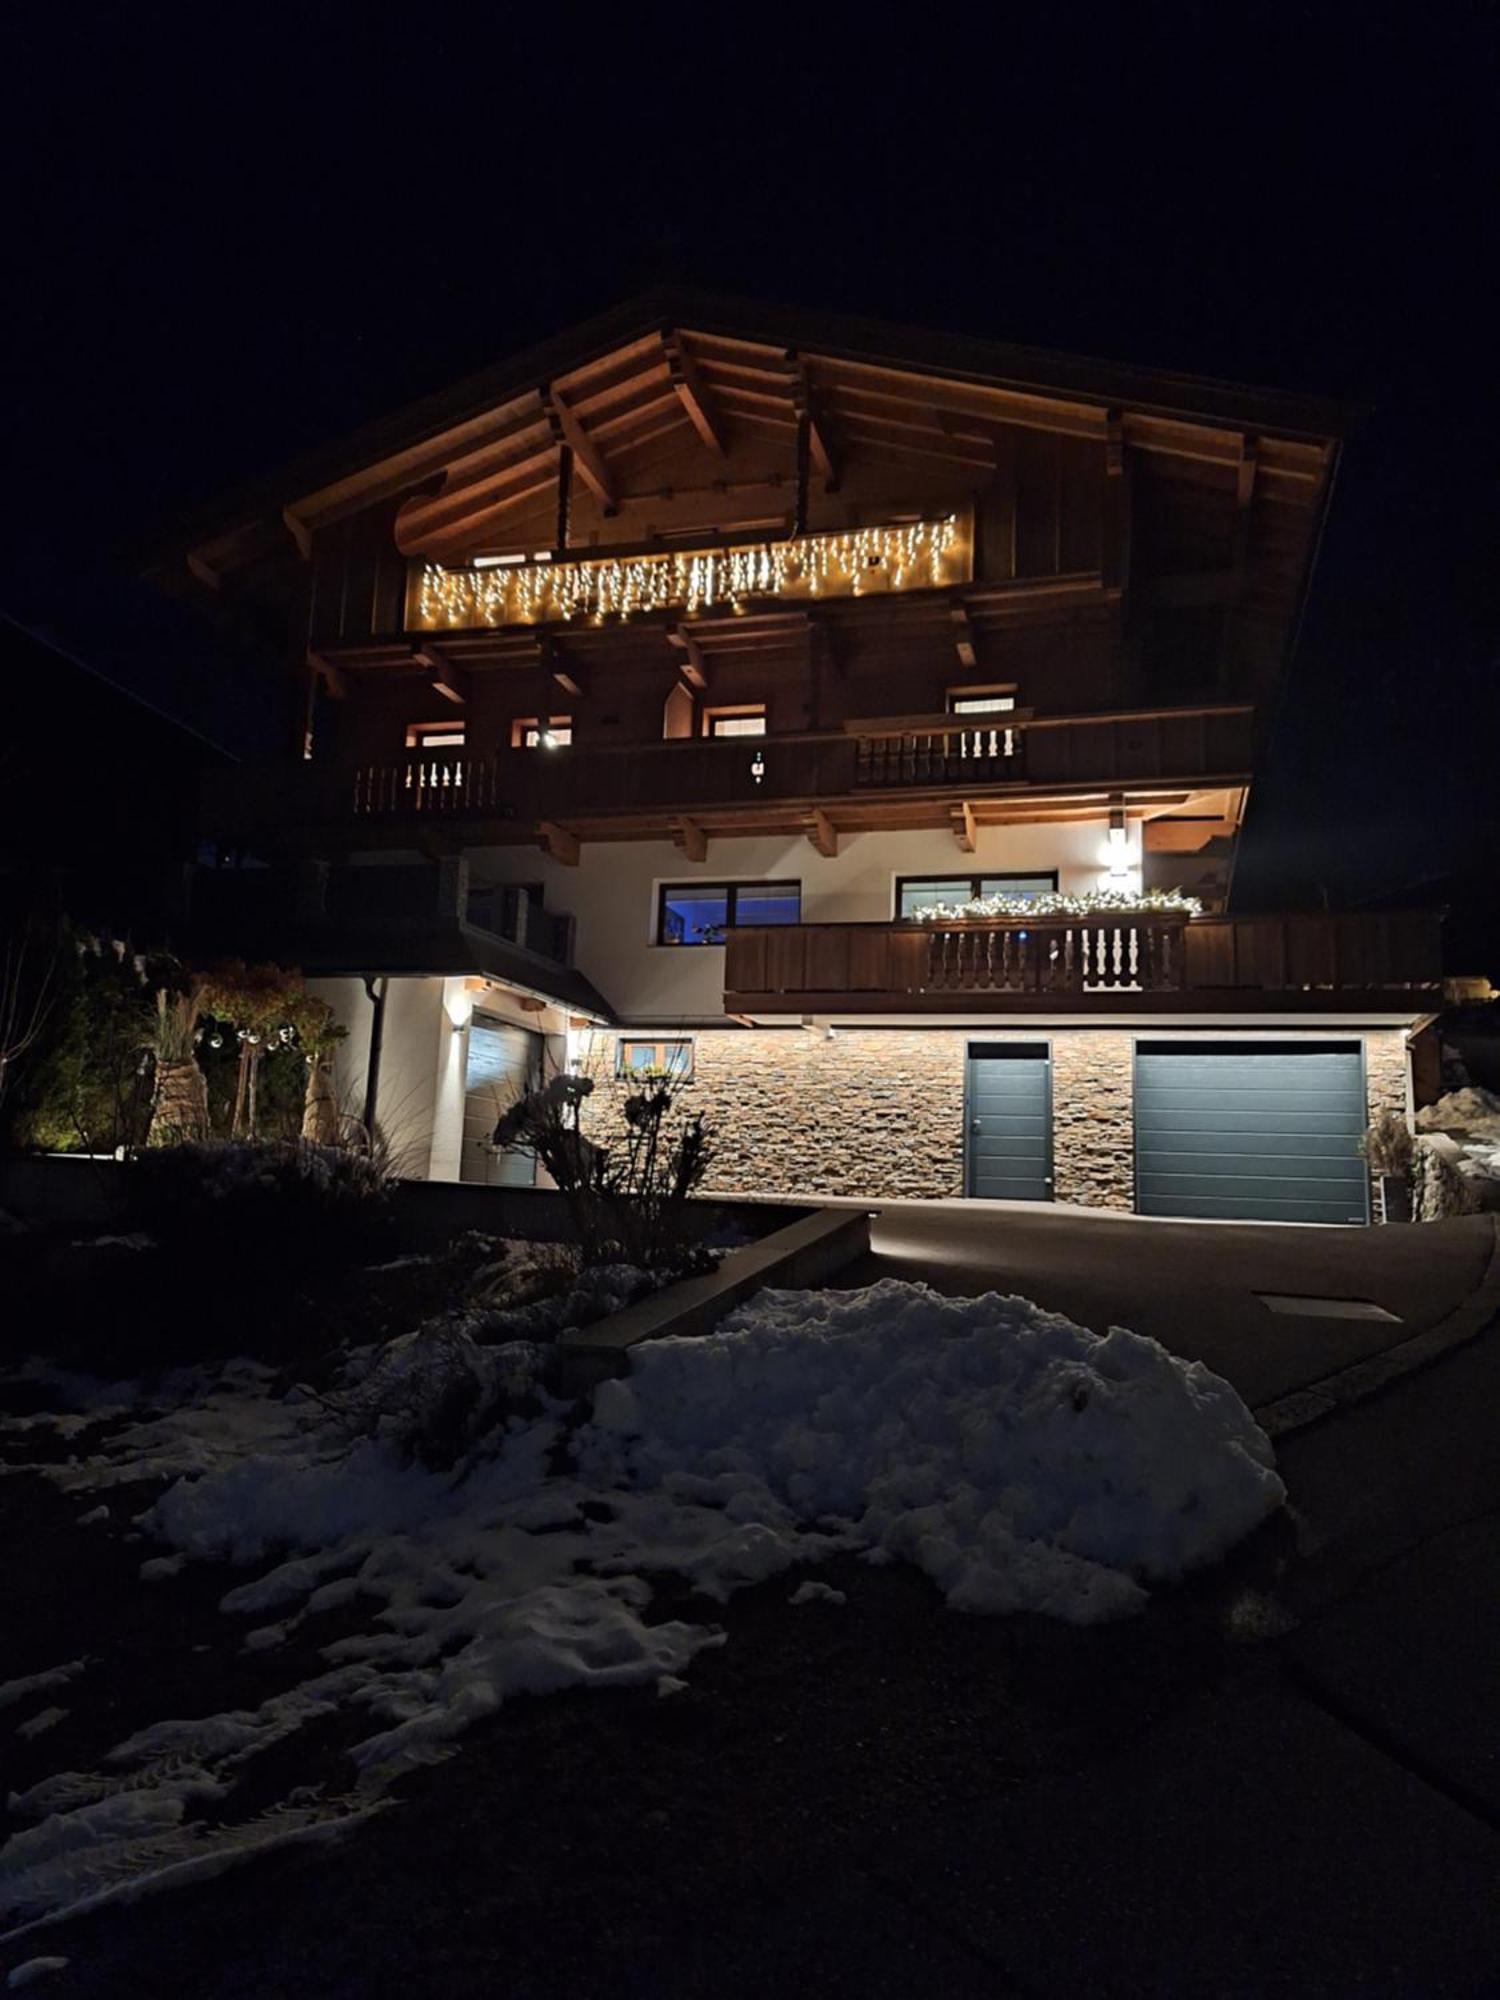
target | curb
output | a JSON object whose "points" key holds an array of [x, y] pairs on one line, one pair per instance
{"points": [[1356, 1384]]}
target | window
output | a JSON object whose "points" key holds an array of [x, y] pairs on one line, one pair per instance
{"points": [[434, 736], [701, 912], [673, 1059], [734, 721], [980, 701], [915, 893], [534, 732]]}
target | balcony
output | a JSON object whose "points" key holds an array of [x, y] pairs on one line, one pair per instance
{"points": [[900, 771], [1112, 964]]}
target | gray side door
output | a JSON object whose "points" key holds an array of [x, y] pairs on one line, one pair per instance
{"points": [[1008, 1148], [1259, 1131], [502, 1062]]}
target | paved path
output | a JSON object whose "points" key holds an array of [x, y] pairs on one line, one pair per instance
{"points": [[1193, 1285]]}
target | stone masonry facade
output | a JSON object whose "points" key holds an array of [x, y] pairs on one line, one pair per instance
{"points": [[880, 1111]]}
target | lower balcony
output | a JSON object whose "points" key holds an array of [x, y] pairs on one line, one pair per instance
{"points": [[1115, 964]]}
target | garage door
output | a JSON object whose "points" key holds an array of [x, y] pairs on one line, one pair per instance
{"points": [[502, 1062], [1009, 1144], [1263, 1131]]}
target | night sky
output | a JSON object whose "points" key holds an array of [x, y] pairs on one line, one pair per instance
{"points": [[235, 235]]}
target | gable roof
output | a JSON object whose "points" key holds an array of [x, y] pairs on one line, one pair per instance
{"points": [[679, 361]]}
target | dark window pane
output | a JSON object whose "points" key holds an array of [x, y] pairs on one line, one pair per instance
{"points": [[694, 916], [775, 904]]}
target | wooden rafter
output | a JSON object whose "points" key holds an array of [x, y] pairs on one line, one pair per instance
{"points": [[588, 460], [694, 394], [963, 637], [449, 679], [559, 843], [692, 666], [333, 677], [690, 839], [823, 834], [965, 826]]}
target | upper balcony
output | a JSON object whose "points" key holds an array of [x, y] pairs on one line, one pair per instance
{"points": [[893, 772], [1116, 964]]}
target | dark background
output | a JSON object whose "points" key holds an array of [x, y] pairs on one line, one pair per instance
{"points": [[235, 234]]}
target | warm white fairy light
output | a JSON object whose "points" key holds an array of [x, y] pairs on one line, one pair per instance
{"points": [[841, 564]]}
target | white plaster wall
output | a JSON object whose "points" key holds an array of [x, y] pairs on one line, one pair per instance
{"points": [[612, 893], [412, 1049]]}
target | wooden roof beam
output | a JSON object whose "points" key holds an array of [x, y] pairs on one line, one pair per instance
{"points": [[693, 666], [449, 679], [333, 677], [963, 637], [965, 826], [588, 460], [690, 839], [694, 395], [559, 843], [823, 834]]}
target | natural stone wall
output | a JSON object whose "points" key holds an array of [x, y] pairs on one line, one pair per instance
{"points": [[880, 1111], [1093, 1119], [869, 1112], [1385, 1085]]}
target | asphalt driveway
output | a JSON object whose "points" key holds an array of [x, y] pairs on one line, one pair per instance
{"points": [[1200, 1287]]}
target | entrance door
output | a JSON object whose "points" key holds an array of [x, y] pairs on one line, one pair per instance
{"points": [[1263, 1131], [1008, 1150], [503, 1061]]}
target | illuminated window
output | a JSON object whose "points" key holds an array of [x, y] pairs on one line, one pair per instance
{"points": [[701, 912], [434, 736], [980, 701], [534, 732], [673, 1059], [734, 721], [915, 893]]}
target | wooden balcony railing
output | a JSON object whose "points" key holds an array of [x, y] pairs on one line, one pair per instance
{"points": [[1157, 957], [898, 758]]}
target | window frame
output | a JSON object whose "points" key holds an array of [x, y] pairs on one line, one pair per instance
{"points": [[984, 875], [521, 723], [735, 712], [623, 1070], [998, 691], [419, 735], [731, 893]]}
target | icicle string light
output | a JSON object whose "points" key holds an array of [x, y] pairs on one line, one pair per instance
{"points": [[837, 565]]}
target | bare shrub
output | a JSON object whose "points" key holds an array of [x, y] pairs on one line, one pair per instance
{"points": [[628, 1197]]}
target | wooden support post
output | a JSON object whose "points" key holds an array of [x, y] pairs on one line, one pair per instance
{"points": [[559, 843], [823, 834], [689, 837], [804, 449], [564, 495], [965, 826]]}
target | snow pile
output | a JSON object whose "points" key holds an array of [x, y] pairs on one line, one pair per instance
{"points": [[1021, 1461], [1472, 1109]]}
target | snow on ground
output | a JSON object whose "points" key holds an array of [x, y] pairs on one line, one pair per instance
{"points": [[1022, 1462], [1472, 1109]]}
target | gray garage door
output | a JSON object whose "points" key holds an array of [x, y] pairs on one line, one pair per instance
{"points": [[1263, 1131], [502, 1061], [1009, 1145]]}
